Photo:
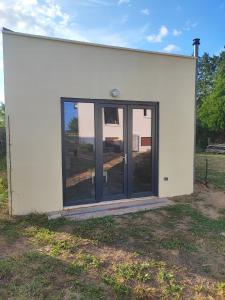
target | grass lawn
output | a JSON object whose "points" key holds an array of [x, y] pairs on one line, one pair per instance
{"points": [[171, 253], [216, 168]]}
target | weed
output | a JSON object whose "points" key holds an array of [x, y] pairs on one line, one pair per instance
{"points": [[137, 271], [40, 235], [57, 246], [221, 288], [174, 289], [75, 269], [45, 236], [126, 270], [88, 261], [171, 287], [177, 243], [165, 276], [199, 288], [121, 290]]}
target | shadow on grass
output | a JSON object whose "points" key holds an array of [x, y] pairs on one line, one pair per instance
{"points": [[135, 233], [37, 276], [144, 235]]}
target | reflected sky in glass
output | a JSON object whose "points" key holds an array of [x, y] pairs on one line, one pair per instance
{"points": [[69, 112]]}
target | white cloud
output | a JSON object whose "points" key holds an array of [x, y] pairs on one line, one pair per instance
{"points": [[145, 11], [99, 2], [30, 16], [47, 17], [177, 32], [125, 38], [157, 38], [189, 25], [171, 48], [123, 1], [93, 2]]}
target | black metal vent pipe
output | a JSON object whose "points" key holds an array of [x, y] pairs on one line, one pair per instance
{"points": [[196, 43]]}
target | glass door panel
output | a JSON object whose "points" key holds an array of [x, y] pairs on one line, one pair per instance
{"points": [[79, 152], [113, 149], [141, 150], [109, 151]]}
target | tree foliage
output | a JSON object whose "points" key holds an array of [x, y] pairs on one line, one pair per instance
{"points": [[206, 73], [73, 125], [211, 98], [2, 115], [2, 131]]}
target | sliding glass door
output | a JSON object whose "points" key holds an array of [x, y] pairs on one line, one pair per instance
{"points": [[109, 150]]}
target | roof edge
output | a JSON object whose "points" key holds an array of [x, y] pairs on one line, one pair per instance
{"points": [[9, 32]]}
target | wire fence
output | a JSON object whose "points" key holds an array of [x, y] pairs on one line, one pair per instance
{"points": [[2, 149], [210, 169]]}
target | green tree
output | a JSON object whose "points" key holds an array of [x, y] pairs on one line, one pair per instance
{"points": [[211, 111], [2, 115], [2, 134], [206, 73], [73, 125]]}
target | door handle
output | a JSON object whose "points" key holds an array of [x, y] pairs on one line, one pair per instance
{"points": [[125, 158]]}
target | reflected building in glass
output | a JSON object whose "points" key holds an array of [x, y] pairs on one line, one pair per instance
{"points": [[80, 155]]}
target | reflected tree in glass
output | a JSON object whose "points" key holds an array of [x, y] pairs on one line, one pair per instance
{"points": [[79, 151]]}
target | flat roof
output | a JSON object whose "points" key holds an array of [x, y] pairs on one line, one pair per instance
{"points": [[7, 31]]}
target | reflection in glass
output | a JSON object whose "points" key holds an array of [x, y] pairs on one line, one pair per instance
{"points": [[79, 151], [113, 151], [142, 150], [111, 115]]}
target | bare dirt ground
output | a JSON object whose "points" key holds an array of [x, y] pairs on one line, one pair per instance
{"points": [[213, 201]]}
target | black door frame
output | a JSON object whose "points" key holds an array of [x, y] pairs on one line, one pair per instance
{"points": [[98, 104], [154, 152], [99, 142]]}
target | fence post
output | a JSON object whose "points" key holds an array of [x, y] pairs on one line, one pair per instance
{"points": [[206, 171]]}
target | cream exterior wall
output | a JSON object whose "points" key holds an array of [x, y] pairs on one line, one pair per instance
{"points": [[38, 71]]}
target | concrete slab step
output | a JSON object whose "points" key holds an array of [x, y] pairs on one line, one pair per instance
{"points": [[118, 207]]}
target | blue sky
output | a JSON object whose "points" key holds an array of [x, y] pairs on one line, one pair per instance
{"points": [[166, 26]]}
